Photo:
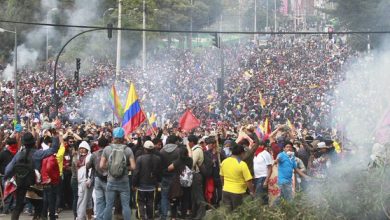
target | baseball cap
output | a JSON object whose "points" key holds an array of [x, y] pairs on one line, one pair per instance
{"points": [[148, 145], [118, 132]]}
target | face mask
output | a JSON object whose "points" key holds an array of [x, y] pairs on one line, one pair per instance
{"points": [[290, 153]]}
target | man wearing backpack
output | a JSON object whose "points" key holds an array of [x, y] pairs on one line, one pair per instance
{"points": [[198, 202], [146, 177], [117, 159], [100, 183], [22, 167]]}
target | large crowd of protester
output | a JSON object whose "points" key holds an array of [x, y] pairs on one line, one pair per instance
{"points": [[167, 172]]}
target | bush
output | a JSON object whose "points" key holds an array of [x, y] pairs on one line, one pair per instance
{"points": [[362, 194]]}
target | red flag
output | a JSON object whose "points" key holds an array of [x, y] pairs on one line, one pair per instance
{"points": [[9, 188], [188, 121]]}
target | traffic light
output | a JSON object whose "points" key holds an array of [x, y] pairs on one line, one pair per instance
{"points": [[109, 30], [330, 33], [78, 63], [216, 40]]}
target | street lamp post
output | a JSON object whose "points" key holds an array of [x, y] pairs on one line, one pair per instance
{"points": [[15, 70], [143, 36], [255, 22], [275, 15], [119, 41], [191, 28], [47, 37], [266, 26]]}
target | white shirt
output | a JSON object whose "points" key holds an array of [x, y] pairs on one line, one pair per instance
{"points": [[260, 163]]}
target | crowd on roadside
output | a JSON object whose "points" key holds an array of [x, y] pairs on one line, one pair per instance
{"points": [[172, 174], [295, 76]]}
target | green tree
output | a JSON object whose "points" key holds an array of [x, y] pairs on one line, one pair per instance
{"points": [[362, 15]]}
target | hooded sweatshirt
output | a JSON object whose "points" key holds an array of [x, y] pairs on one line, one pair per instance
{"points": [[169, 153]]}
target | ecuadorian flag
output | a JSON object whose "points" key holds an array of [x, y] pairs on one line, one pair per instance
{"points": [[116, 104], [153, 121], [133, 116]]}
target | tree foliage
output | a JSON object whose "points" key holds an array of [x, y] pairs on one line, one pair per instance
{"points": [[362, 15], [160, 14]]}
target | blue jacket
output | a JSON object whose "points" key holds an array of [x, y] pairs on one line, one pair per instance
{"points": [[37, 156]]}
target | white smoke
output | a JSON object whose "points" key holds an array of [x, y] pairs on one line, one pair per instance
{"points": [[363, 97], [84, 12], [26, 57], [8, 72], [48, 4], [361, 100]]}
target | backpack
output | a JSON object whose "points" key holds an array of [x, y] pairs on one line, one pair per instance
{"points": [[206, 168], [117, 164], [99, 172], [186, 177], [24, 170], [50, 171]]}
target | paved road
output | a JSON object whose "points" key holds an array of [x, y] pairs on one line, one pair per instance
{"points": [[64, 215]]}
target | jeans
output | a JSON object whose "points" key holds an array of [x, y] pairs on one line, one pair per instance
{"points": [[100, 193], [49, 201], [165, 183], [261, 192], [286, 191], [121, 187], [74, 185]]}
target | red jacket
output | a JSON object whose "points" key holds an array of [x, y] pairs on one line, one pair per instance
{"points": [[50, 171]]}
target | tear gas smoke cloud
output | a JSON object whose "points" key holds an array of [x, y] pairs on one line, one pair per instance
{"points": [[361, 101], [363, 97], [84, 13], [26, 57]]}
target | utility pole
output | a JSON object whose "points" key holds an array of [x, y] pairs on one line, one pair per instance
{"points": [[255, 22], [119, 41], [47, 38], [191, 18], [275, 16], [16, 76], [143, 36], [267, 19], [239, 20]]}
